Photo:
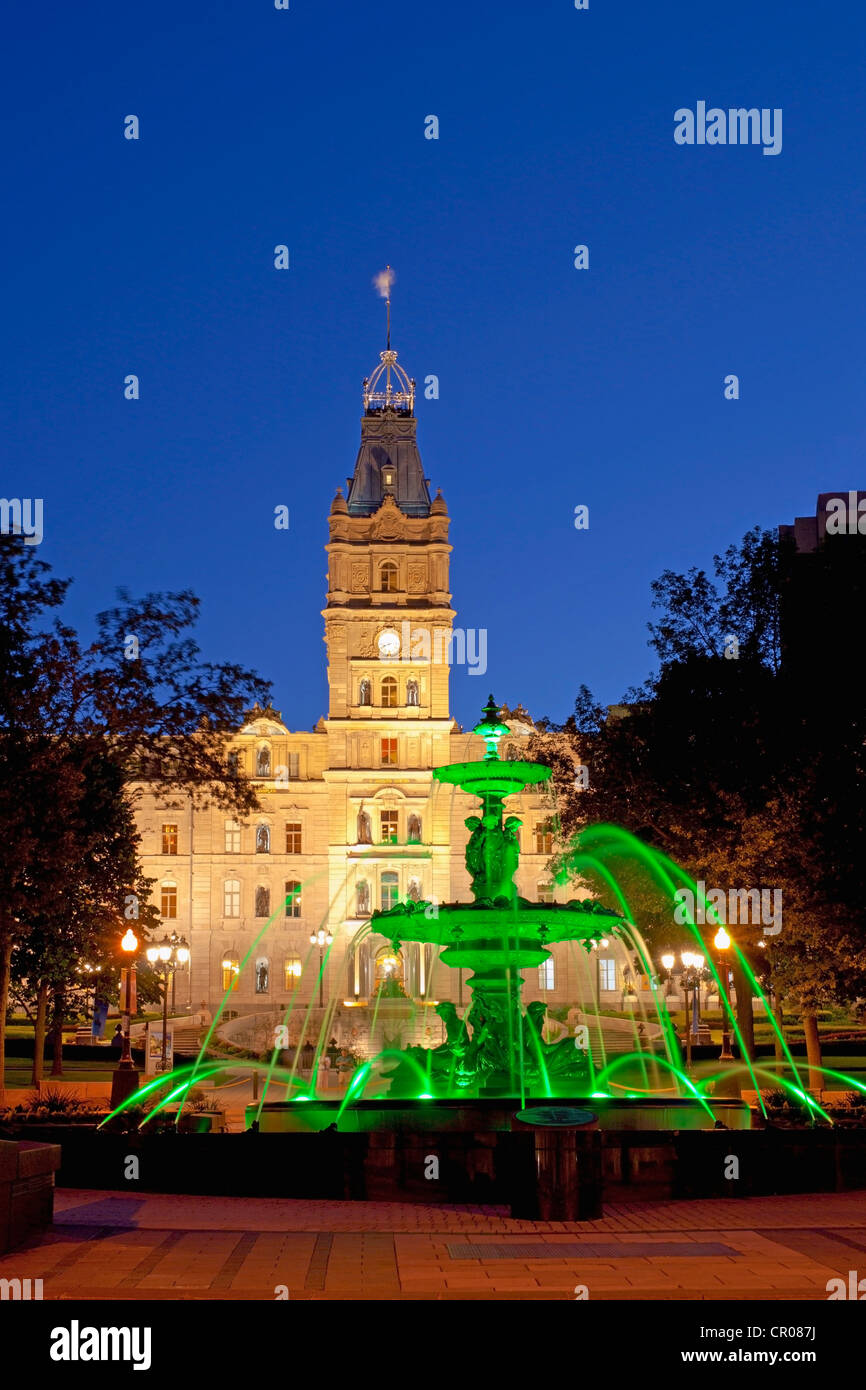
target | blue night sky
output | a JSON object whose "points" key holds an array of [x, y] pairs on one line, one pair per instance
{"points": [[558, 386]]}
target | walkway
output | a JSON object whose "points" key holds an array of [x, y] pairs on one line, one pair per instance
{"points": [[116, 1245]]}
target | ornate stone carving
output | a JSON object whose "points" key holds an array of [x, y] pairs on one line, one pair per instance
{"points": [[389, 523], [360, 579], [417, 578]]}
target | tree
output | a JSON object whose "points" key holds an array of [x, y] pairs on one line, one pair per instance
{"points": [[722, 760], [75, 724]]}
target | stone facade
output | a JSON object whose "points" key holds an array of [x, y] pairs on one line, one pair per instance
{"points": [[350, 818]]}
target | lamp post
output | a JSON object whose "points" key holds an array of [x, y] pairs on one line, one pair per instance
{"points": [[322, 939], [124, 1080], [722, 941], [668, 961], [693, 964], [169, 955]]}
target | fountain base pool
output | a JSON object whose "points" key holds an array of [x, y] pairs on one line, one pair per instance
{"points": [[490, 1114]]}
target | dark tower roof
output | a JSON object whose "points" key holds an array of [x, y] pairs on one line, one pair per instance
{"points": [[388, 462]]}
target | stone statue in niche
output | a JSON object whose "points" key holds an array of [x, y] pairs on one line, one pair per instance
{"points": [[365, 833], [412, 692], [365, 695]]}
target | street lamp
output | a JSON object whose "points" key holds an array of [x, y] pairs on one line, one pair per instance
{"points": [[693, 964], [169, 955], [125, 1077], [668, 961], [322, 939], [722, 941]]}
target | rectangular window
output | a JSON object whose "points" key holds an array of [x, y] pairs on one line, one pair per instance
{"points": [[231, 973], [389, 827], [232, 898], [168, 902], [234, 763], [607, 975], [293, 972], [545, 892], [294, 766], [169, 839], [544, 837], [389, 752], [389, 891], [293, 837], [293, 898], [546, 974], [233, 837]]}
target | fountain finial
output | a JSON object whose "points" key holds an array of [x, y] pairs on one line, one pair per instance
{"points": [[491, 729]]}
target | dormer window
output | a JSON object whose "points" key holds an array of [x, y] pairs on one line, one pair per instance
{"points": [[387, 477]]}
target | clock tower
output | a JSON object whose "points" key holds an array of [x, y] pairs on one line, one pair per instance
{"points": [[388, 622], [388, 618]]}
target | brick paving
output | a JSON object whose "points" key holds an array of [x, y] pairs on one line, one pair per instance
{"points": [[115, 1245]]}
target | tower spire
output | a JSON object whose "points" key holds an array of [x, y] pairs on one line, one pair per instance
{"points": [[388, 281]]}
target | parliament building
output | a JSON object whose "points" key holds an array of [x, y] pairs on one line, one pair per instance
{"points": [[351, 818]]}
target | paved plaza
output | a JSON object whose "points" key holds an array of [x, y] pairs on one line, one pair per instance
{"points": [[116, 1245]]}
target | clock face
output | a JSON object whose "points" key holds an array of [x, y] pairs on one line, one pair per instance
{"points": [[389, 643]]}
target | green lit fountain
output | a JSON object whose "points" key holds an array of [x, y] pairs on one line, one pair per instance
{"points": [[498, 1048]]}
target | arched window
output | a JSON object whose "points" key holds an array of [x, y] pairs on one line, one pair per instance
{"points": [[232, 898], [414, 835], [389, 693], [389, 575], [293, 898], [263, 902], [263, 839], [365, 696], [411, 692], [263, 971], [263, 762], [389, 891]]}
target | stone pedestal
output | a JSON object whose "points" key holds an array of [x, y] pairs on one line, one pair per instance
{"points": [[26, 1190]]}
